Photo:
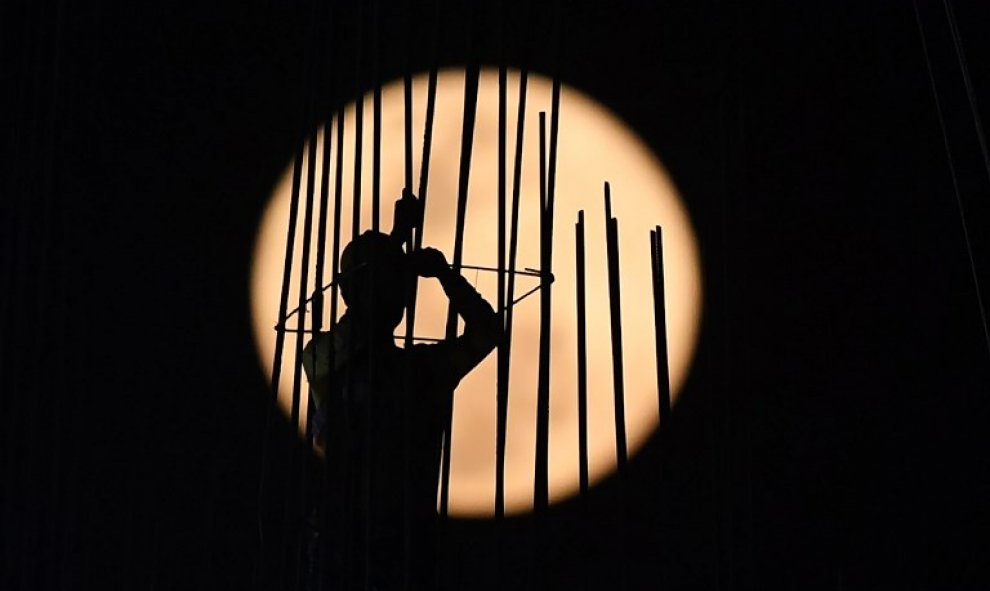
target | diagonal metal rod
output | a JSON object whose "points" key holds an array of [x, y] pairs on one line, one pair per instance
{"points": [[467, 143], [503, 367]]}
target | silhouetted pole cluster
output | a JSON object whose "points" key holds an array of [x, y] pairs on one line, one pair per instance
{"points": [[316, 208]]}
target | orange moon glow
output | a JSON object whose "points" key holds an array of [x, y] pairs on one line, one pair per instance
{"points": [[594, 146]]}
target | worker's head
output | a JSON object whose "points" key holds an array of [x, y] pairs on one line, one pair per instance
{"points": [[373, 280]]}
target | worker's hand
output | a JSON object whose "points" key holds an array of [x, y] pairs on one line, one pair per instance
{"points": [[428, 262], [408, 215]]}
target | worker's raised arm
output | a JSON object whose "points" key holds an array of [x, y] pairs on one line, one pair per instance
{"points": [[482, 330]]}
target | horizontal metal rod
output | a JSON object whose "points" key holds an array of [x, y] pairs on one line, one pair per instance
{"points": [[282, 328], [528, 272]]}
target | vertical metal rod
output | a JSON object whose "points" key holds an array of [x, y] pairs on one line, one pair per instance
{"points": [[369, 423], [279, 340], [358, 126], [324, 552], [660, 328], [300, 454], [407, 105], [366, 556], [467, 143], [376, 192], [376, 117], [303, 279], [287, 272], [501, 381], [326, 521], [338, 188], [552, 166], [582, 356], [308, 503], [291, 517], [431, 106], [416, 242], [277, 359], [541, 493], [614, 300], [424, 170], [547, 189], [424, 173], [321, 236], [503, 368]]}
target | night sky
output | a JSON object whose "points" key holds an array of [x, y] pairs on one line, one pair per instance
{"points": [[832, 431]]}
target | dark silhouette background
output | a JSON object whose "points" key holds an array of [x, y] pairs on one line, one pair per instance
{"points": [[832, 433]]}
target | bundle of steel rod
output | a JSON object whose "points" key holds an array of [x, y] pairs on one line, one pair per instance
{"points": [[312, 314]]}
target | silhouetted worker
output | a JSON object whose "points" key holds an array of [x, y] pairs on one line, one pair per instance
{"points": [[382, 408]]}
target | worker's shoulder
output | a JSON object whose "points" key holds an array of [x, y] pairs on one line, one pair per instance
{"points": [[321, 338]]}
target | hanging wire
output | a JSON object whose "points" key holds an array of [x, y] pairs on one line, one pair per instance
{"points": [[951, 159], [970, 93]]}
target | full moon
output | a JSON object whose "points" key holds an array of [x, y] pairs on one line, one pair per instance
{"points": [[594, 146]]}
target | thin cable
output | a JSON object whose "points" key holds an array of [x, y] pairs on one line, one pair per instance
{"points": [[970, 93], [955, 180]]}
